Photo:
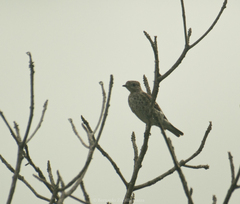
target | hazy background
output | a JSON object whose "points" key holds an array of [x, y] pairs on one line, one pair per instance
{"points": [[76, 44]]}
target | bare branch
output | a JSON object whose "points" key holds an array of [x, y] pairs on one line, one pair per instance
{"points": [[37, 169], [7, 164], [9, 128], [189, 35], [21, 178], [202, 144], [31, 66], [50, 175], [42, 180], [78, 199], [106, 109], [138, 165], [16, 127], [135, 148], [176, 64], [23, 143], [230, 157], [86, 196], [197, 167], [76, 133], [104, 153], [60, 179], [40, 122], [214, 199], [212, 26], [145, 81], [103, 107], [178, 168], [157, 77], [187, 38], [184, 24], [234, 181], [181, 163]]}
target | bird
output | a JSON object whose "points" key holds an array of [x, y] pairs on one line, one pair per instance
{"points": [[140, 103]]}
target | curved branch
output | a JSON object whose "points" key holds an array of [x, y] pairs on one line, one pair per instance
{"points": [[40, 122], [213, 24]]}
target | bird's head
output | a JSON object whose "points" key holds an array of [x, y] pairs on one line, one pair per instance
{"points": [[133, 86]]}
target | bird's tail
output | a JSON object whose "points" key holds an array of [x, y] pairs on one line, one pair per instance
{"points": [[174, 130]]}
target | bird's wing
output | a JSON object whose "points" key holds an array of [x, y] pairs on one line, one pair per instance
{"points": [[156, 106]]}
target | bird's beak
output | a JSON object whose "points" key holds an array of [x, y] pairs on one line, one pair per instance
{"points": [[124, 85]]}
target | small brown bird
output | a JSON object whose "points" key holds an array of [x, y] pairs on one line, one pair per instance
{"points": [[140, 102]]}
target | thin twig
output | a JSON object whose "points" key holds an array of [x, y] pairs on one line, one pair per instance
{"points": [[197, 167], [78, 199], [76, 133], [55, 196], [50, 175], [106, 110], [214, 199], [31, 66], [230, 157], [43, 181], [9, 128], [40, 122], [117, 169], [138, 165], [135, 148], [212, 26], [37, 169], [202, 144], [234, 181], [16, 127], [103, 106], [60, 179], [86, 196], [184, 23], [145, 81], [178, 167]]}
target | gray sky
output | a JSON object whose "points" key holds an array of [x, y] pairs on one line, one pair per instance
{"points": [[76, 44]]}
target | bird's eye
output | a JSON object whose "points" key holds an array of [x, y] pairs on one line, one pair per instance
{"points": [[133, 85]]}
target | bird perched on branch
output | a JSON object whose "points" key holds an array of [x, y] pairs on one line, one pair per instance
{"points": [[140, 103]]}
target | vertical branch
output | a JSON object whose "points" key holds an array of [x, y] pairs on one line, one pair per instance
{"points": [[184, 23], [157, 76], [31, 66], [156, 70], [145, 81], [234, 180], [106, 109], [138, 165], [230, 157], [22, 144], [135, 148], [214, 199]]}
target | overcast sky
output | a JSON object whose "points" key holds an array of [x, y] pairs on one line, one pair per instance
{"points": [[76, 44]]}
